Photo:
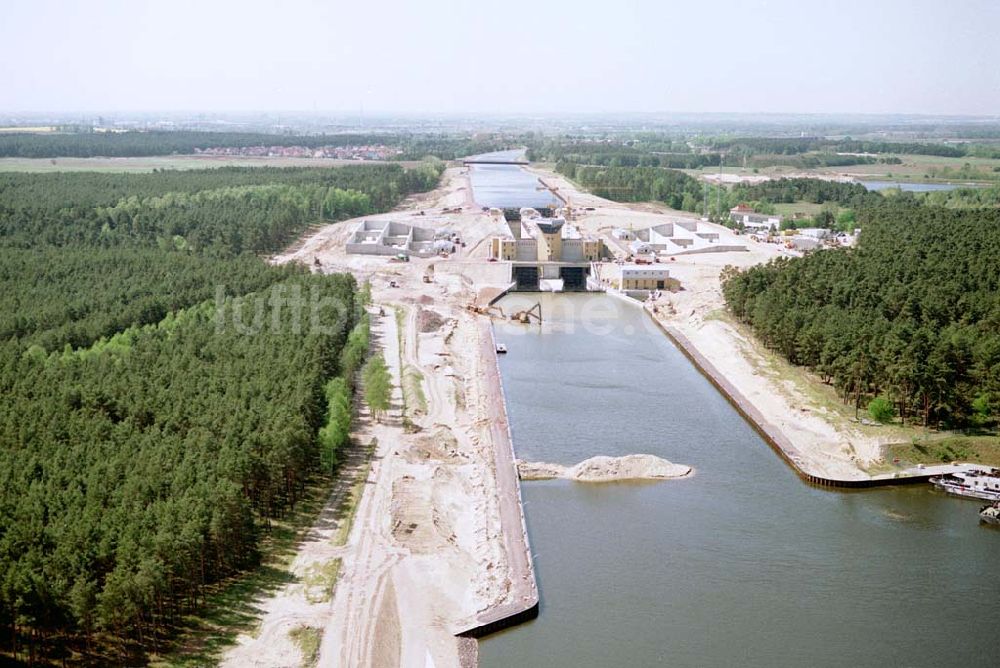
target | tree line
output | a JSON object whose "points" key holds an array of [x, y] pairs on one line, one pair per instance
{"points": [[623, 153], [637, 184], [798, 145], [164, 392], [912, 316]]}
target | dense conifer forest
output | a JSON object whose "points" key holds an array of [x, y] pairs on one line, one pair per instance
{"points": [[912, 315], [164, 392]]}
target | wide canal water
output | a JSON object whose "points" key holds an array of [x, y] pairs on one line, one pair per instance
{"points": [[742, 564], [508, 186]]}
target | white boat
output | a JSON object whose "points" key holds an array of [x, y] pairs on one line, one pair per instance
{"points": [[990, 514], [501, 349], [973, 483]]}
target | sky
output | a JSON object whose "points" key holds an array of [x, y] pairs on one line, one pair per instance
{"points": [[506, 56]]}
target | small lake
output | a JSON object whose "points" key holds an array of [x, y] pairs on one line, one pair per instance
{"points": [[508, 186], [742, 564], [915, 187]]}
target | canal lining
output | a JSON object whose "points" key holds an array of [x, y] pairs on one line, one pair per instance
{"points": [[778, 442]]}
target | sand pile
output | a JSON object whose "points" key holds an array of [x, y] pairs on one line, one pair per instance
{"points": [[606, 469]]}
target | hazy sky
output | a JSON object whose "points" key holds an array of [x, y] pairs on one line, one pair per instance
{"points": [[870, 56]]}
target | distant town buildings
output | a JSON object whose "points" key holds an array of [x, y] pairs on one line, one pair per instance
{"points": [[374, 152]]}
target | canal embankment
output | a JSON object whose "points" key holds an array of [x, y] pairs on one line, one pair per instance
{"points": [[521, 602], [782, 445]]}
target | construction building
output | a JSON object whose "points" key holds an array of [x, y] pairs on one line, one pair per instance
{"points": [[753, 221], [545, 240], [383, 237], [643, 277], [678, 237], [546, 249]]}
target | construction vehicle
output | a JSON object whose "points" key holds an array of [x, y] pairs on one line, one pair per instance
{"points": [[524, 317]]}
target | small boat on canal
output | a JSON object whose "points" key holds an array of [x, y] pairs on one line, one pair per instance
{"points": [[990, 514]]}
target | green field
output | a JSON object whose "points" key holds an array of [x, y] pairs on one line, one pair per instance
{"points": [[148, 164], [919, 168], [977, 449]]}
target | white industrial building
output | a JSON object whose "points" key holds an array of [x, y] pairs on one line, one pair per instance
{"points": [[383, 237], [678, 237]]}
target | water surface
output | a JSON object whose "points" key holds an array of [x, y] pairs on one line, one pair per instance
{"points": [[508, 186], [741, 565], [916, 187]]}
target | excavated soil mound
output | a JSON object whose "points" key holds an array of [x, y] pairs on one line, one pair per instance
{"points": [[429, 321], [606, 469]]}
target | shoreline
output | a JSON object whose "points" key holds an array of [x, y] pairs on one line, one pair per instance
{"points": [[523, 600], [799, 418], [778, 441]]}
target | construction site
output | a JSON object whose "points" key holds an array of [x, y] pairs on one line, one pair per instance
{"points": [[438, 554]]}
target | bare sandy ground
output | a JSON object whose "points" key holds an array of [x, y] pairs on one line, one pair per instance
{"points": [[425, 554]]}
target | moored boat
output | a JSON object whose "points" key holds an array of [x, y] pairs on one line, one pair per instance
{"points": [[501, 348], [990, 514], [972, 483]]}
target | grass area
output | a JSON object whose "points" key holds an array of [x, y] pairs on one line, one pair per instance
{"points": [[35, 129], [914, 168], [983, 449], [413, 390], [354, 496], [307, 638], [411, 379], [232, 607], [320, 580]]}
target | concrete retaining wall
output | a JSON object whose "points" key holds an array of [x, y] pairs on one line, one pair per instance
{"points": [[777, 440], [523, 603]]}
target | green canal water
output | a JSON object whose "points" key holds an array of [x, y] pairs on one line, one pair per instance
{"points": [[741, 565]]}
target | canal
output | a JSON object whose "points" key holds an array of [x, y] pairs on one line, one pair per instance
{"points": [[742, 564], [508, 186]]}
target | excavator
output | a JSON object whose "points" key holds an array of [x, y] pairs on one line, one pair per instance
{"points": [[524, 317]]}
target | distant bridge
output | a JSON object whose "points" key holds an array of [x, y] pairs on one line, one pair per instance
{"points": [[493, 161]]}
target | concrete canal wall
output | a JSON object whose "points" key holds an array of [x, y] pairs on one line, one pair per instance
{"points": [[522, 602], [777, 440]]}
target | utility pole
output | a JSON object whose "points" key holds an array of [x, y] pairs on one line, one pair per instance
{"points": [[718, 193]]}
